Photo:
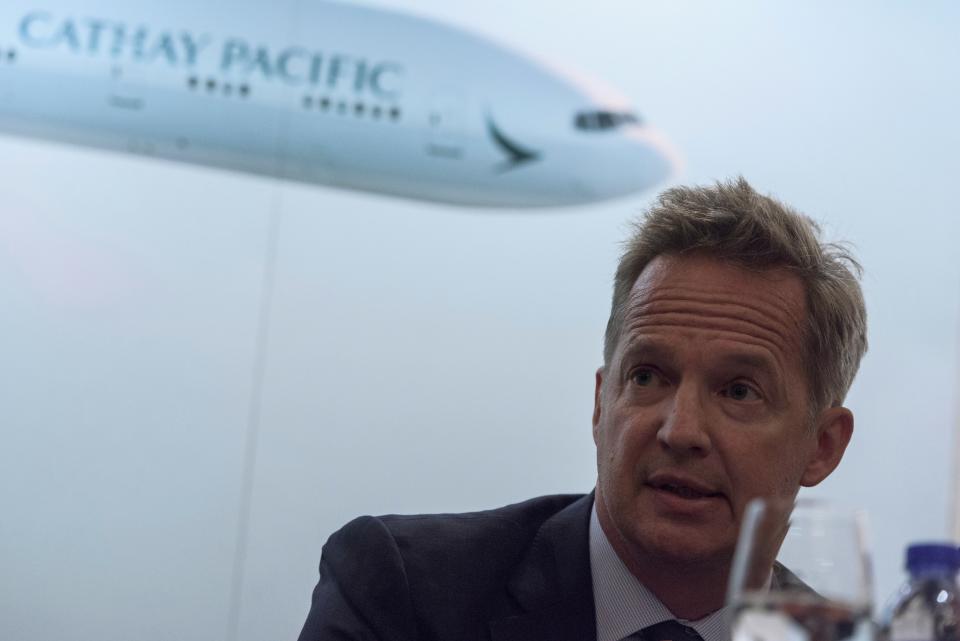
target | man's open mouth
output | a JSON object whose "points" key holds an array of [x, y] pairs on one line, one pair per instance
{"points": [[684, 490]]}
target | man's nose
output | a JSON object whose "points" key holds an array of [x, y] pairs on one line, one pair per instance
{"points": [[684, 428]]}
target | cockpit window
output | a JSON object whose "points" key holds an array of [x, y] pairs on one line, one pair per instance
{"points": [[600, 120]]}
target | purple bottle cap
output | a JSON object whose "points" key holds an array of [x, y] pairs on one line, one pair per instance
{"points": [[932, 557]]}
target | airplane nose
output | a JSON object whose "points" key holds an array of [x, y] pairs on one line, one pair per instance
{"points": [[636, 160], [650, 157]]}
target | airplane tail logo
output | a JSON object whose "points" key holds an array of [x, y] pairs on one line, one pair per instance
{"points": [[516, 154]]}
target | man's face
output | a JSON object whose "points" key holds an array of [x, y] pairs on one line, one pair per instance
{"points": [[704, 406]]}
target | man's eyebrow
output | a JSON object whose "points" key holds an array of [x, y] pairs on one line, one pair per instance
{"points": [[753, 361], [652, 350], [647, 349]]}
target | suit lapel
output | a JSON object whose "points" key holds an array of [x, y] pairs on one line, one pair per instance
{"points": [[552, 584]]}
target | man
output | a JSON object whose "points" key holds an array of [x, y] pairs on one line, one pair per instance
{"points": [[733, 338]]}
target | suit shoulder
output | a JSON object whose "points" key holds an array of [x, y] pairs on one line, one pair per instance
{"points": [[363, 587], [470, 552], [481, 544], [431, 563], [521, 520]]}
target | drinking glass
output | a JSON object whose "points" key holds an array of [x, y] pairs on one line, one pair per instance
{"points": [[801, 572]]}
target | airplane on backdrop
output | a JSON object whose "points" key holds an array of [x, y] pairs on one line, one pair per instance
{"points": [[321, 92]]}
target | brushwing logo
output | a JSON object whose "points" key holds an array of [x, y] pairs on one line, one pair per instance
{"points": [[516, 154]]}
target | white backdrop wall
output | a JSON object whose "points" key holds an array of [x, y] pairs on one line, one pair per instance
{"points": [[182, 433]]}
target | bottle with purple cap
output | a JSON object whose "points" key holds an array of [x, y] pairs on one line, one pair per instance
{"points": [[927, 606]]}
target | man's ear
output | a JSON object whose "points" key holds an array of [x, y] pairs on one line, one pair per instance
{"points": [[834, 429], [596, 402]]}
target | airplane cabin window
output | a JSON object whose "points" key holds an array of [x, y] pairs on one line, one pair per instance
{"points": [[211, 85], [603, 120], [359, 109]]}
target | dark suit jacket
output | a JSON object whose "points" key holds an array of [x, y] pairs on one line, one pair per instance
{"points": [[518, 573]]}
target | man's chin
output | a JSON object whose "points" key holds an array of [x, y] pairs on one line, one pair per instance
{"points": [[679, 546]]}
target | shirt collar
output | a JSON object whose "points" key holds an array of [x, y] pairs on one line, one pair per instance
{"points": [[624, 605]]}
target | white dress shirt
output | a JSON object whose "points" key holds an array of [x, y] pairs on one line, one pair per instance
{"points": [[624, 605]]}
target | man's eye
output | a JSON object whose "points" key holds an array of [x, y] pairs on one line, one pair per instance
{"points": [[644, 377], [740, 392]]}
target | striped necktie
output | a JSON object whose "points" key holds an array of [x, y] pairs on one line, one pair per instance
{"points": [[666, 631]]}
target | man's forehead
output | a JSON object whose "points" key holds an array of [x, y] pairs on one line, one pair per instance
{"points": [[699, 291], [698, 273]]}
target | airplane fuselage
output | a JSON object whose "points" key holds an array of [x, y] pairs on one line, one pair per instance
{"points": [[323, 93]]}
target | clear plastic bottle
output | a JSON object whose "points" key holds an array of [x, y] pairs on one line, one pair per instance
{"points": [[927, 606]]}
